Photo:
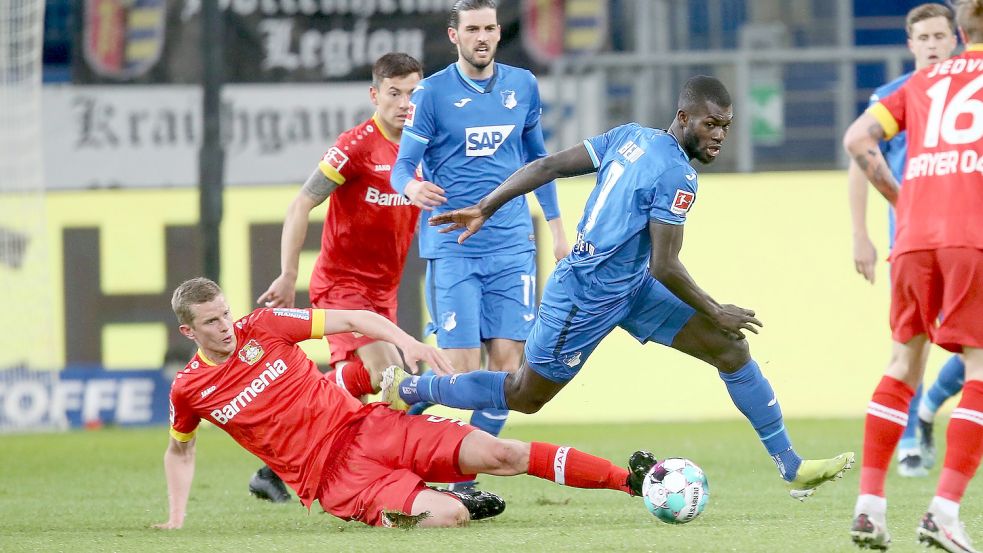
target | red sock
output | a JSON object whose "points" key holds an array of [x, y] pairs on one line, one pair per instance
{"points": [[964, 440], [352, 377], [569, 467], [887, 415]]}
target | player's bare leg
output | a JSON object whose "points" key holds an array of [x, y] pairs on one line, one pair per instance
{"points": [[504, 354], [376, 356], [464, 360], [527, 392], [753, 395]]}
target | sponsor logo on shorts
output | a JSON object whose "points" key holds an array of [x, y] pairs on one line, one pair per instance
{"points": [[449, 321], [571, 360], [682, 202], [251, 352]]}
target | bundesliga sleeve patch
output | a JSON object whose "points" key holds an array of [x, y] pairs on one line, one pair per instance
{"points": [[682, 202], [410, 114], [335, 158]]}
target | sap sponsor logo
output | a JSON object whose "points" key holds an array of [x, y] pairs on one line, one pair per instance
{"points": [[682, 202], [251, 352], [630, 151], [270, 374], [485, 141], [382, 167], [48, 400], [292, 312], [376, 197], [206, 391]]}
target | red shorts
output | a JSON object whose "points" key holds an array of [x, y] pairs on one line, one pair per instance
{"points": [[938, 292], [344, 345], [388, 462]]}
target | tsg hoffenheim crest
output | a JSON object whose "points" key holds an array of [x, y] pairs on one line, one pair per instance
{"points": [[508, 99]]}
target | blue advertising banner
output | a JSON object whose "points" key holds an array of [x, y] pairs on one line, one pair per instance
{"points": [[81, 397]]}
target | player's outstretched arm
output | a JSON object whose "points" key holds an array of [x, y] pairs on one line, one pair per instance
{"points": [[179, 469], [667, 241], [568, 163], [861, 142], [864, 252], [283, 291], [376, 326]]}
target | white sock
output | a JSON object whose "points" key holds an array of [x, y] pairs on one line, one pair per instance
{"points": [[873, 506], [925, 413], [948, 508]]}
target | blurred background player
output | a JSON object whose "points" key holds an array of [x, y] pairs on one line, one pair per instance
{"points": [[367, 234], [931, 30], [625, 272], [361, 462], [472, 124], [936, 268]]}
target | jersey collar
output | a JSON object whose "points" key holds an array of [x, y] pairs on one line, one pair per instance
{"points": [[205, 358], [475, 86], [382, 130], [978, 47], [676, 142]]}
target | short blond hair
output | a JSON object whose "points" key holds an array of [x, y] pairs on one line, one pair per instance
{"points": [[929, 11], [195, 291]]}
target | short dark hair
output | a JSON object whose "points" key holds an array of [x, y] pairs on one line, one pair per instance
{"points": [[466, 6], [195, 291], [969, 16], [929, 11], [702, 89], [394, 64]]}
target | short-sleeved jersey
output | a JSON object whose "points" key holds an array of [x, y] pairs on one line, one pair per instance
{"points": [[473, 136], [643, 175], [269, 396], [942, 199], [895, 150], [368, 228]]}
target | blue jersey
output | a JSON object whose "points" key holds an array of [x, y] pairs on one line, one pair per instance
{"points": [[895, 150], [471, 136], [643, 175]]}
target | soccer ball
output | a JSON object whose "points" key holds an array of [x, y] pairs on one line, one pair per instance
{"points": [[676, 490]]}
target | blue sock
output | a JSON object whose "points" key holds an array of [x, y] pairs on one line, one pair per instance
{"points": [[950, 382], [490, 420], [753, 396], [909, 439], [475, 390]]}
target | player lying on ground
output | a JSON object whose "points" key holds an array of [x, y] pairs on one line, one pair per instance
{"points": [[625, 271], [361, 462]]}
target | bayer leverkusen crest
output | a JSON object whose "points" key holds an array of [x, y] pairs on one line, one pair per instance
{"points": [[123, 39]]}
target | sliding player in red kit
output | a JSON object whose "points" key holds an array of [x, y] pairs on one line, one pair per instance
{"points": [[361, 462], [936, 270], [367, 234]]}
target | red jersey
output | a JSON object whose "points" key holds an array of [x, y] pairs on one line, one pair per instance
{"points": [[941, 107], [369, 226], [270, 397]]}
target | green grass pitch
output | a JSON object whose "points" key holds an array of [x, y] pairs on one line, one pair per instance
{"points": [[101, 491]]}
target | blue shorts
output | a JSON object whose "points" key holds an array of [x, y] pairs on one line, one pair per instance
{"points": [[473, 299], [566, 333]]}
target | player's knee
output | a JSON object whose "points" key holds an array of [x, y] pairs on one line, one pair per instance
{"points": [[732, 355], [456, 516], [509, 455]]}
